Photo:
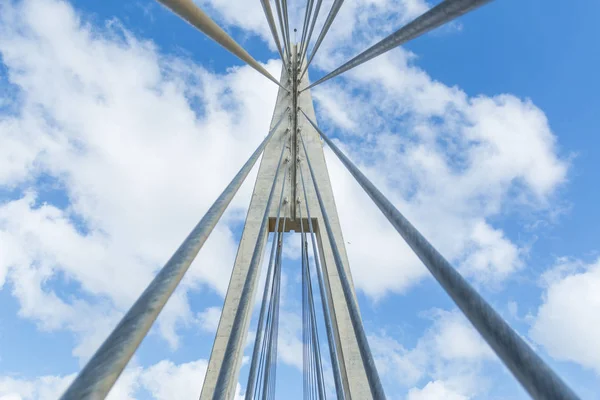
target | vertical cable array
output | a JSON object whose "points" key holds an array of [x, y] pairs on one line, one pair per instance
{"points": [[315, 384], [267, 299], [335, 7], [337, 378], [235, 339], [365, 351], [310, 32]]}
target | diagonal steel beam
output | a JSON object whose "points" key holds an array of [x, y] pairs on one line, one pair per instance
{"points": [[187, 10], [437, 16]]}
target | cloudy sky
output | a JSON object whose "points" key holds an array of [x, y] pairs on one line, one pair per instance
{"points": [[120, 124]]}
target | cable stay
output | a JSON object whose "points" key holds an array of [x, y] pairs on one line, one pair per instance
{"points": [[190, 12], [266, 5], [530, 370], [367, 357], [305, 24], [335, 7], [444, 12], [310, 32]]}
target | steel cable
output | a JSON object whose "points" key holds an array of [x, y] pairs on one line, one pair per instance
{"points": [[190, 12], [538, 379], [359, 331], [335, 7], [310, 32], [236, 337], [337, 378], [437, 16], [259, 332], [266, 5]]}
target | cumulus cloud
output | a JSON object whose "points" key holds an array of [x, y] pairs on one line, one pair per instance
{"points": [[567, 322], [141, 143], [447, 360], [164, 380], [129, 135]]}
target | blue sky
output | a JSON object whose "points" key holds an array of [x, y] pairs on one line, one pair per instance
{"points": [[482, 132]]}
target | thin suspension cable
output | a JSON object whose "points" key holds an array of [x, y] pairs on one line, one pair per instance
{"points": [[268, 337], [287, 22], [437, 16], [359, 331], [310, 32], [190, 12], [540, 381], [236, 336], [266, 5], [314, 332], [100, 373], [305, 24], [337, 378], [273, 342], [259, 332], [287, 50], [335, 7], [304, 337]]}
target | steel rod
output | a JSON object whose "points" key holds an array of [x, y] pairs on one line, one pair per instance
{"points": [[359, 331], [337, 377], [538, 379], [190, 12], [335, 7], [314, 333], [437, 16], [266, 5], [259, 332], [310, 32]]}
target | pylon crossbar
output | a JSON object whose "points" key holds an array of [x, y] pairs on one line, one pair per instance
{"points": [[538, 379], [361, 337], [190, 12], [101, 372], [437, 16]]}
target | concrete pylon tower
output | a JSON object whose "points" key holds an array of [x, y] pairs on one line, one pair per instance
{"points": [[352, 371]]}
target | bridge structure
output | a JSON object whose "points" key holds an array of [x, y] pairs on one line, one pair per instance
{"points": [[293, 193]]}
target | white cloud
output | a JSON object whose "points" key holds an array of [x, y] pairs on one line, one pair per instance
{"points": [[449, 356], [140, 142], [567, 322], [162, 381], [209, 319], [435, 390]]}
